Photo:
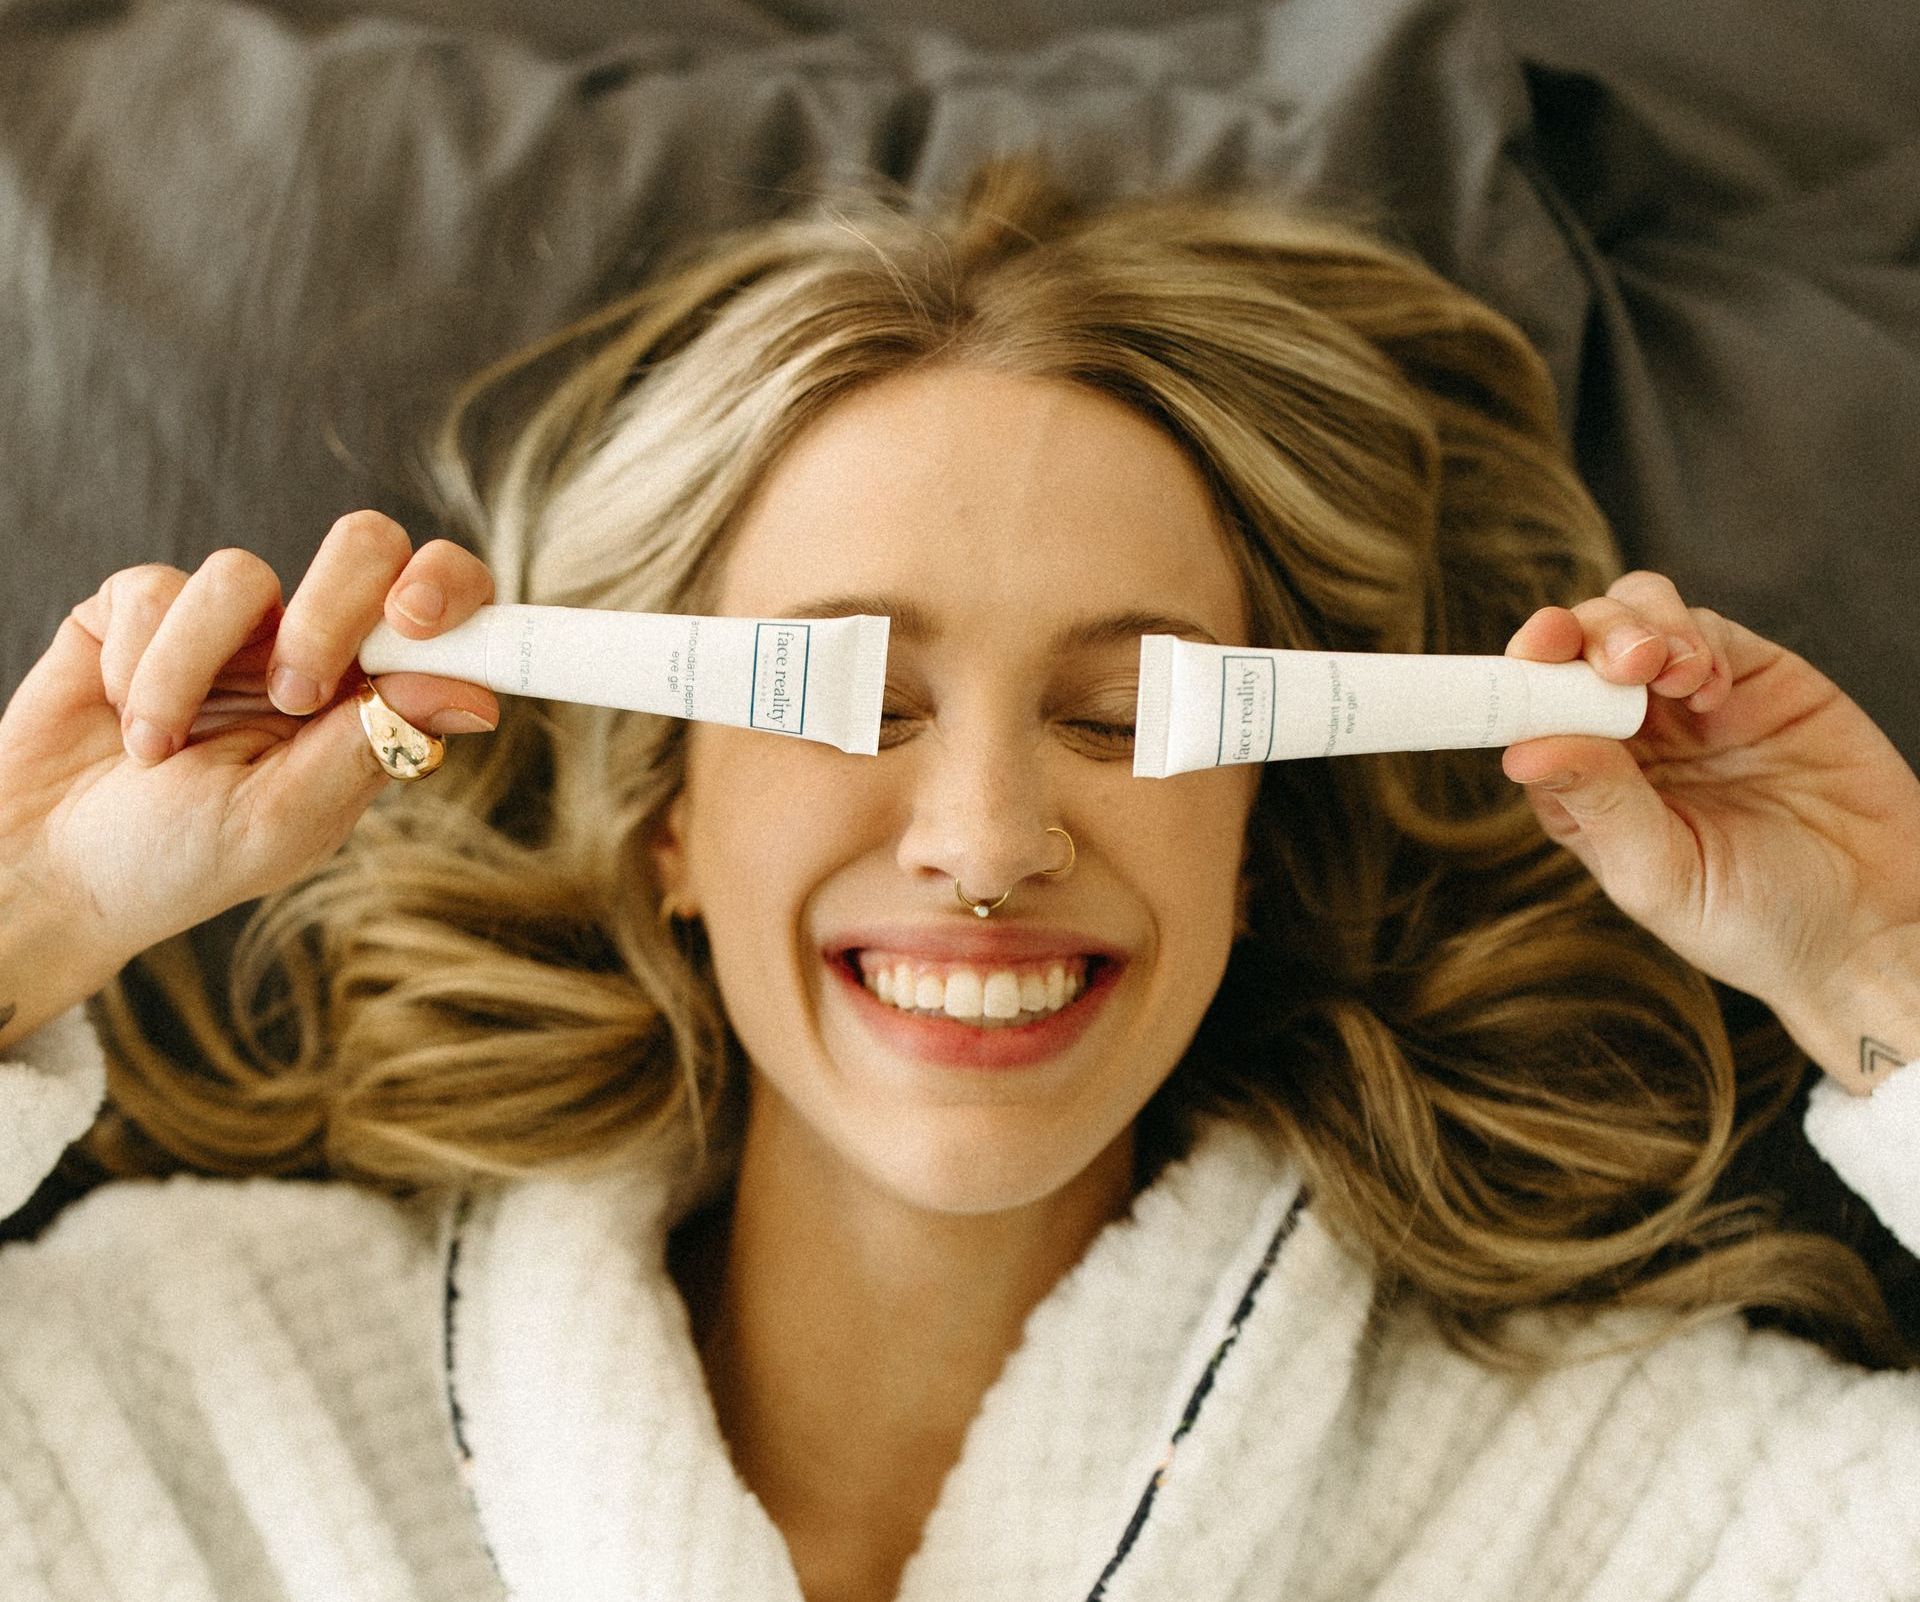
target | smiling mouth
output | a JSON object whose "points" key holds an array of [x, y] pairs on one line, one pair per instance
{"points": [[987, 998]]}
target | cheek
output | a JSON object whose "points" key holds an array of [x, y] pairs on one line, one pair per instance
{"points": [[766, 822], [753, 838], [1197, 826], [1201, 838]]}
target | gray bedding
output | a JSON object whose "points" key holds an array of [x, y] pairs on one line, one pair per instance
{"points": [[245, 252]]}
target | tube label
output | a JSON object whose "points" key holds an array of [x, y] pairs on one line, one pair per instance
{"points": [[780, 677], [1246, 710]]}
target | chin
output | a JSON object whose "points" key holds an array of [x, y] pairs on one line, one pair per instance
{"points": [[969, 1171]]}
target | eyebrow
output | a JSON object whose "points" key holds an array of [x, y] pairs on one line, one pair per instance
{"points": [[915, 624]]}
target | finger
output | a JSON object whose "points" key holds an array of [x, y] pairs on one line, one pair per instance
{"points": [[215, 613], [60, 690], [1620, 646], [270, 724], [1559, 824], [1656, 601], [440, 588], [246, 669], [1552, 634], [442, 585], [1634, 844], [440, 706], [338, 600], [130, 606], [225, 708], [1735, 651]]}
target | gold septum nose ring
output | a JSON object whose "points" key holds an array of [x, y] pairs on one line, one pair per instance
{"points": [[402, 751], [982, 909]]}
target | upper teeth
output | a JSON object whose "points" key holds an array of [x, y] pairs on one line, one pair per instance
{"points": [[961, 991]]}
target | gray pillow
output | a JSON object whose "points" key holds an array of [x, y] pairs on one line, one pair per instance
{"points": [[1749, 200], [243, 261], [245, 253]]}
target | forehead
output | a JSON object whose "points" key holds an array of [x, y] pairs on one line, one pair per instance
{"points": [[999, 506]]}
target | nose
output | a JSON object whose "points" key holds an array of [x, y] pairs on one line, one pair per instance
{"points": [[980, 806]]}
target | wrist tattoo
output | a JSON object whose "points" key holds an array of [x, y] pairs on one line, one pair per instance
{"points": [[1877, 1058]]}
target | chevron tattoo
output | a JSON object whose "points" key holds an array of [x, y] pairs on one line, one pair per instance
{"points": [[1876, 1057]]}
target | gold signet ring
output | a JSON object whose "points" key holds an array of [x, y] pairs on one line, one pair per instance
{"points": [[402, 751]]}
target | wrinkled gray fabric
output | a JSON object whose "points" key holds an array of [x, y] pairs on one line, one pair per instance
{"points": [[243, 261], [245, 252], [1745, 181]]}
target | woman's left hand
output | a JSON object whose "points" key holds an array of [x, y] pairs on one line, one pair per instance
{"points": [[1760, 823]]}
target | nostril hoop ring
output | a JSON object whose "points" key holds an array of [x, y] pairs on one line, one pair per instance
{"points": [[980, 908], [1073, 856]]}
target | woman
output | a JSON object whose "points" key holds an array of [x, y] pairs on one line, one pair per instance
{"points": [[1345, 1212]]}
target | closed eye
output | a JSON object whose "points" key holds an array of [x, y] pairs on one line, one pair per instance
{"points": [[1109, 734]]}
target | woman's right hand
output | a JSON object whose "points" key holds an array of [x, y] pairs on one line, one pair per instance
{"points": [[148, 780]]}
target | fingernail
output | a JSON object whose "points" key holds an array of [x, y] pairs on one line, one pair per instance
{"points": [[293, 692], [457, 720], [421, 603], [148, 742], [1679, 650], [1623, 642], [1552, 781]]}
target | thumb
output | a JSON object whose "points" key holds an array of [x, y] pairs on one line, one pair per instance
{"points": [[62, 687], [1592, 798]]}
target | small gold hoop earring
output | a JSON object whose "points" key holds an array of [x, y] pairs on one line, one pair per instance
{"points": [[1073, 856], [980, 908]]}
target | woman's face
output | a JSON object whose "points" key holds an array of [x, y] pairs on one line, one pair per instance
{"points": [[992, 517]]}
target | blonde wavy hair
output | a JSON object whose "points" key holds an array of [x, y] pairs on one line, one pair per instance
{"points": [[1505, 1094]]}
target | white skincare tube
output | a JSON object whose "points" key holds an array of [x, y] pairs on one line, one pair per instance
{"points": [[821, 679], [1205, 706]]}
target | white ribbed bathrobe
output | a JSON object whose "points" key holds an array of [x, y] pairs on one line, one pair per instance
{"points": [[248, 1390]]}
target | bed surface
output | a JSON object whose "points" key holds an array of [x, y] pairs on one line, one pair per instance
{"points": [[246, 250]]}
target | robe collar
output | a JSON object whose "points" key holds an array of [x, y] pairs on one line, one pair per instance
{"points": [[1153, 1434]]}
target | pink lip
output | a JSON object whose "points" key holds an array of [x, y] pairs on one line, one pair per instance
{"points": [[958, 1045]]}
